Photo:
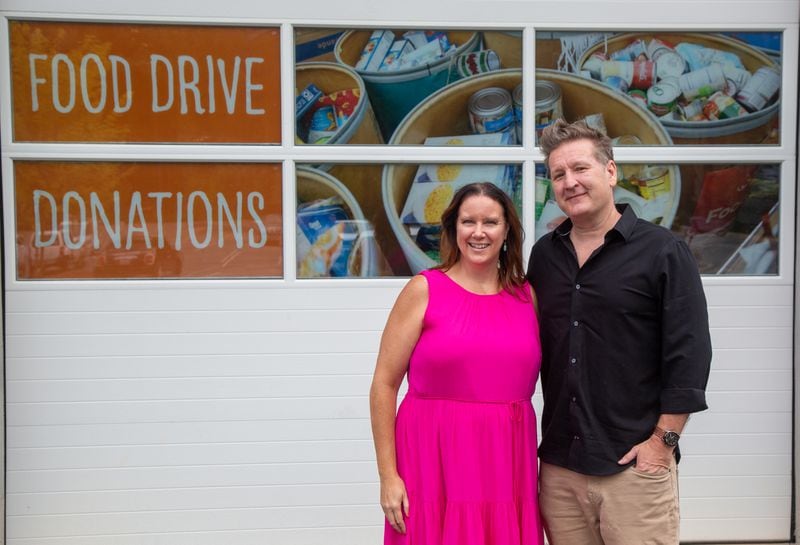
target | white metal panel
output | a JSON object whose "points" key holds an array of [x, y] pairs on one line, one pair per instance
{"points": [[210, 412]]}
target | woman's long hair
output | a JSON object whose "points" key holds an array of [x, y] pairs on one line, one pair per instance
{"points": [[510, 271]]}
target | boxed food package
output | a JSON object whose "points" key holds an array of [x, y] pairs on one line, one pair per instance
{"points": [[375, 50], [391, 61]]}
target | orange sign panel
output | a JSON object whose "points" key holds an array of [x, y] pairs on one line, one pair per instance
{"points": [[103, 82], [147, 220]]}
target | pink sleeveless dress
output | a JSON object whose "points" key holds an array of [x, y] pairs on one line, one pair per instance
{"points": [[466, 429]]}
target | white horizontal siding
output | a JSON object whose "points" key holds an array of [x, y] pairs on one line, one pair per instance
{"points": [[152, 416], [240, 415], [333, 535]]}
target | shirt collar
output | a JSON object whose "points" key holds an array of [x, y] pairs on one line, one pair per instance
{"points": [[624, 225]]}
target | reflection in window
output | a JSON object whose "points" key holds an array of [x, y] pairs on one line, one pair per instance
{"points": [[727, 214], [386, 83], [701, 88], [373, 220]]}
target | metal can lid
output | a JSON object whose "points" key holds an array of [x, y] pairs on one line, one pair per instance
{"points": [[547, 94], [664, 92], [517, 95], [490, 101]]}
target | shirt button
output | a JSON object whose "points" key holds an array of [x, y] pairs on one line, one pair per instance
{"points": [[577, 286], [575, 323], [573, 360], [574, 399], [577, 437]]}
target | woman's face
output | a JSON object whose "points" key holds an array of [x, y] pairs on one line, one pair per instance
{"points": [[481, 229]]}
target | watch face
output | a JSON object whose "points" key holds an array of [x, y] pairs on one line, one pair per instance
{"points": [[671, 438]]}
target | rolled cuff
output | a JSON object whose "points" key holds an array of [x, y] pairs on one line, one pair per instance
{"points": [[683, 400]]}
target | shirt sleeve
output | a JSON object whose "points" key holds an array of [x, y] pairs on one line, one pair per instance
{"points": [[686, 341]]}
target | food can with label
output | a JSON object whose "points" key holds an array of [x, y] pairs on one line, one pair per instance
{"points": [[639, 96], [644, 75], [548, 105], [477, 62], [631, 52], [491, 110], [702, 83], [760, 89], [653, 181], [661, 97], [594, 62], [693, 111], [722, 106], [736, 78], [669, 63], [622, 69], [516, 98]]}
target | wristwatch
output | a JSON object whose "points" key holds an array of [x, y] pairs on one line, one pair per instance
{"points": [[670, 438]]}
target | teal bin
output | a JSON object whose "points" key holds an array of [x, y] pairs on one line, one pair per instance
{"points": [[394, 94]]}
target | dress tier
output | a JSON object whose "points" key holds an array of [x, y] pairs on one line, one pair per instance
{"points": [[466, 430]]}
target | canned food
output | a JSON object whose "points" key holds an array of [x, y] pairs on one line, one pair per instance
{"points": [[631, 52], [644, 74], [736, 78], [516, 98], [548, 105], [594, 62], [639, 96], [491, 110], [760, 89], [653, 181], [693, 111], [661, 97], [702, 83], [669, 63], [622, 69], [724, 107], [477, 62]]}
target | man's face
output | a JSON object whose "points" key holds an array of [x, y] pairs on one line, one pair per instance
{"points": [[582, 185]]}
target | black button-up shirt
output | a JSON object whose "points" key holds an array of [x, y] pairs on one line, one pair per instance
{"points": [[624, 339]]}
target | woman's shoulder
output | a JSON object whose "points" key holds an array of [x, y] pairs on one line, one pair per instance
{"points": [[417, 288]]}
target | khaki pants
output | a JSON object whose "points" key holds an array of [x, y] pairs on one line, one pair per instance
{"points": [[629, 508]]}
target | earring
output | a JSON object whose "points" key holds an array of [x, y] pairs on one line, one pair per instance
{"points": [[505, 246]]}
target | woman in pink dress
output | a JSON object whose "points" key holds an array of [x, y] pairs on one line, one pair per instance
{"points": [[457, 461]]}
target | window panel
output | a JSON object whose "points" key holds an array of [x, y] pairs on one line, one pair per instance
{"points": [[357, 220], [727, 214], [147, 220], [700, 87], [400, 86], [104, 82]]}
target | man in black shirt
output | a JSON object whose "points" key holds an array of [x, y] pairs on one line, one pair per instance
{"points": [[626, 355]]}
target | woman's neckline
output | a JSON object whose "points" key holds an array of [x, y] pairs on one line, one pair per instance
{"points": [[500, 292]]}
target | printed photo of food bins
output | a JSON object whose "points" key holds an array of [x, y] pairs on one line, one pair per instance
{"points": [[334, 238], [705, 88], [411, 191], [729, 217], [401, 68], [333, 94]]}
